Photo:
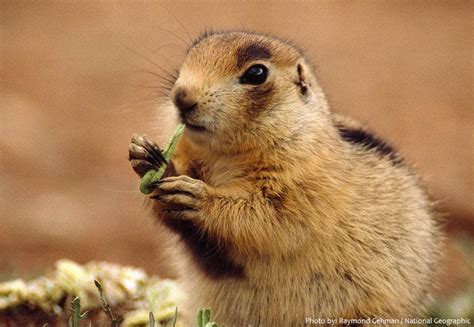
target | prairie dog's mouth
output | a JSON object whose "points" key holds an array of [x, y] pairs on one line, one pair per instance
{"points": [[195, 128]]}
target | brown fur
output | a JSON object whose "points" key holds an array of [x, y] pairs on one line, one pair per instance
{"points": [[292, 220]]}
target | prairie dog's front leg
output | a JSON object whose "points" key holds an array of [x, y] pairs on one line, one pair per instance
{"points": [[144, 154], [182, 197], [230, 215]]}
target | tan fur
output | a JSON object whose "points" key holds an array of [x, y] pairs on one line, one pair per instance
{"points": [[323, 228]]}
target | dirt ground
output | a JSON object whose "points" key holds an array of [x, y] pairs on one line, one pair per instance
{"points": [[78, 79]]}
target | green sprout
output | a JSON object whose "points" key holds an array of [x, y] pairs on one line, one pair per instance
{"points": [[115, 322], [204, 318], [76, 317], [152, 319], [155, 175], [175, 317]]}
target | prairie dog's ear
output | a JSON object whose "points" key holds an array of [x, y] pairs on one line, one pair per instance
{"points": [[302, 79]]}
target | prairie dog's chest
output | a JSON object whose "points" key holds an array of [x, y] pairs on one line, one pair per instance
{"points": [[219, 171]]}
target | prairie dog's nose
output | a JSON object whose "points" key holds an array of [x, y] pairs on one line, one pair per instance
{"points": [[184, 100]]}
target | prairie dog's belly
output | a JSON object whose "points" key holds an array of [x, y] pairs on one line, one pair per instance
{"points": [[333, 278], [238, 303]]}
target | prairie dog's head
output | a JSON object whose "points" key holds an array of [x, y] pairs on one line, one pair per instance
{"points": [[238, 91]]}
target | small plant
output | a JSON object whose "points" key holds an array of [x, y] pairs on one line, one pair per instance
{"points": [[153, 301], [115, 322], [173, 323], [175, 317], [76, 317], [204, 318], [152, 319]]}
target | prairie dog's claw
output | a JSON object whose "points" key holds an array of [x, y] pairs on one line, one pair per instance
{"points": [[144, 155]]}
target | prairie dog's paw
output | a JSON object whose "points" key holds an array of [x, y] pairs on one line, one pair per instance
{"points": [[144, 154], [181, 195]]}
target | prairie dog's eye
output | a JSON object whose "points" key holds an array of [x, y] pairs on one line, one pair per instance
{"points": [[256, 74]]}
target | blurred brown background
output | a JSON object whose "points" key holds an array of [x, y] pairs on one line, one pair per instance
{"points": [[77, 80]]}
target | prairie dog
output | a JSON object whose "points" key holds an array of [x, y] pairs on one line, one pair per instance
{"points": [[286, 210]]}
